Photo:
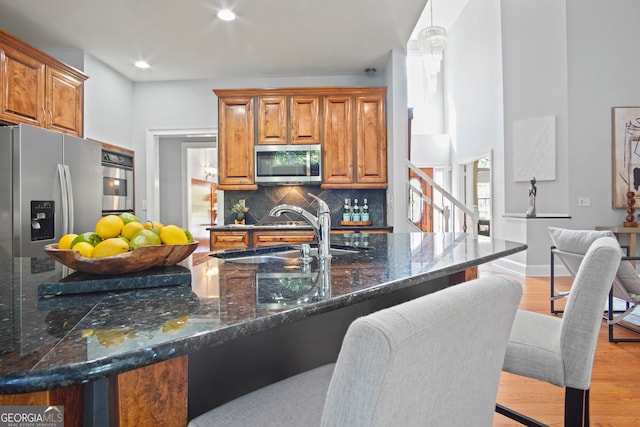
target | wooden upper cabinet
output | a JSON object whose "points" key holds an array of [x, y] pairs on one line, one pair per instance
{"points": [[236, 143], [305, 119], [348, 122], [354, 149], [39, 90], [272, 120], [65, 95], [337, 147], [371, 140], [23, 82]]}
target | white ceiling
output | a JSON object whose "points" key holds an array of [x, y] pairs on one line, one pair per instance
{"points": [[183, 39]]}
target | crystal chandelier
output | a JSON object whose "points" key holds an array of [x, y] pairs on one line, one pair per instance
{"points": [[431, 42]]}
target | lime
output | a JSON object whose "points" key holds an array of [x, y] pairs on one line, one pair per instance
{"points": [[109, 247], [109, 226], [88, 237], [131, 229], [128, 217], [144, 238], [85, 249], [190, 238], [65, 241], [173, 235]]}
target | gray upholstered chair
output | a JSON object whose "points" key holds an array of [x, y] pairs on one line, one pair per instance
{"points": [[570, 247], [435, 360], [560, 351]]}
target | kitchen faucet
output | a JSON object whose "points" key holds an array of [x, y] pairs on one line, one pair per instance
{"points": [[321, 223]]}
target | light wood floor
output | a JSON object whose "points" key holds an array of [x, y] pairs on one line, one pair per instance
{"points": [[615, 384]]}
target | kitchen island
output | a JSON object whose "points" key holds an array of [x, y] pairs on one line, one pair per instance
{"points": [[235, 327]]}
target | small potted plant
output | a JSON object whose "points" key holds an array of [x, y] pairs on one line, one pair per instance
{"points": [[239, 210]]}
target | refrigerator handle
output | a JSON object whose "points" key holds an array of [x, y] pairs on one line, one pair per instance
{"points": [[67, 174], [65, 208]]}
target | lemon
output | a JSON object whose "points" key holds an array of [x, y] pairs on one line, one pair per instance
{"points": [[153, 224], [65, 241], [128, 217], [109, 247], [144, 238], [131, 229], [85, 249], [109, 226], [173, 235], [88, 237]]}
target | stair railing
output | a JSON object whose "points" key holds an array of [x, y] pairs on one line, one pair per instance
{"points": [[445, 210]]}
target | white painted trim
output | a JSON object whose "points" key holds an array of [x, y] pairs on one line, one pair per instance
{"points": [[152, 140]]}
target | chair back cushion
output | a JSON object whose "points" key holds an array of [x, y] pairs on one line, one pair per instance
{"points": [[583, 312], [577, 242], [435, 360]]}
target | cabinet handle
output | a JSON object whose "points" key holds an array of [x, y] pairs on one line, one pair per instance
{"points": [[44, 117]]}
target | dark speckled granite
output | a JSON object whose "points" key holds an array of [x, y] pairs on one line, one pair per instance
{"points": [[52, 342]]}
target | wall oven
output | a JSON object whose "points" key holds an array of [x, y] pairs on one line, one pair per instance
{"points": [[117, 183], [288, 164]]}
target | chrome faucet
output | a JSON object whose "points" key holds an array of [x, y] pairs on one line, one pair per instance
{"points": [[321, 223]]}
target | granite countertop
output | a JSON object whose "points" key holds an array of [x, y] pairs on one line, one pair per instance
{"points": [[48, 342], [292, 227]]}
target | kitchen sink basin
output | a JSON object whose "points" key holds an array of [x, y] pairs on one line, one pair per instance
{"points": [[279, 256]]}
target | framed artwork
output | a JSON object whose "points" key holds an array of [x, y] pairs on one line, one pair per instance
{"points": [[626, 153]]}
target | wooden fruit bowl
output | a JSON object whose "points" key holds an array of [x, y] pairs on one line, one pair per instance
{"points": [[128, 262]]}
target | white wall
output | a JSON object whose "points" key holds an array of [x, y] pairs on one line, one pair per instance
{"points": [[473, 95], [603, 73], [534, 59], [108, 105]]}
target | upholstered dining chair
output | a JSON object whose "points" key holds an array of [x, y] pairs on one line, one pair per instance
{"points": [[434, 360], [560, 351], [570, 247]]}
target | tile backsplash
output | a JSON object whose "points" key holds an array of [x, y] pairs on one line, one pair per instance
{"points": [[262, 200]]}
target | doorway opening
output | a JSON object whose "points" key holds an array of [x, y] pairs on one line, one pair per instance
{"points": [[181, 182], [475, 177]]}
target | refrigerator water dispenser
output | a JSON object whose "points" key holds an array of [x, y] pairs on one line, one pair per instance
{"points": [[42, 220]]}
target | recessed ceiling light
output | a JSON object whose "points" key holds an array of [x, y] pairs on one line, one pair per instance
{"points": [[226, 15], [142, 64]]}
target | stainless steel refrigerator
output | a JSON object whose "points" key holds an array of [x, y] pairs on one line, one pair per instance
{"points": [[50, 185]]}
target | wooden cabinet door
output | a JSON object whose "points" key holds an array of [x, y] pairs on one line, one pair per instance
{"points": [[337, 147], [65, 96], [235, 150], [305, 119], [272, 120], [371, 140], [23, 88]]}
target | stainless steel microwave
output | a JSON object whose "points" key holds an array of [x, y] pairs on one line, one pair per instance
{"points": [[288, 164]]}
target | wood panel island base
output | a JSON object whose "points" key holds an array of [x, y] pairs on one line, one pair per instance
{"points": [[175, 352]]}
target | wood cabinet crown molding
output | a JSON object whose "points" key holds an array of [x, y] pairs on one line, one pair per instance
{"points": [[316, 90], [17, 44]]}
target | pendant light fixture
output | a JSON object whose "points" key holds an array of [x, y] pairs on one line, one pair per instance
{"points": [[431, 42]]}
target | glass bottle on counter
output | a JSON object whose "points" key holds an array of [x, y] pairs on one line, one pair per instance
{"points": [[346, 213], [355, 216], [365, 211]]}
